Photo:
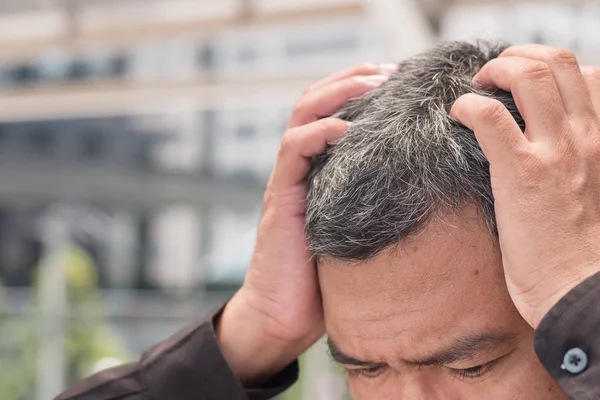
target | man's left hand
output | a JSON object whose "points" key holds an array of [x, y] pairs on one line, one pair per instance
{"points": [[546, 180]]}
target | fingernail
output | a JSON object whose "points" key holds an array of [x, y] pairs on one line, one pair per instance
{"points": [[374, 80], [388, 68], [477, 81]]}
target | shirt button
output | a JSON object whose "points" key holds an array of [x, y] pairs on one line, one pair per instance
{"points": [[575, 361]]}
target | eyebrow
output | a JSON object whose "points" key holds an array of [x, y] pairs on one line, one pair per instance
{"points": [[462, 349], [341, 358], [466, 348]]}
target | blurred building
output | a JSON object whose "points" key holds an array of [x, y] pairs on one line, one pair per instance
{"points": [[572, 24], [169, 119]]}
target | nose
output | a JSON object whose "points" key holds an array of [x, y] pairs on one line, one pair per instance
{"points": [[416, 386], [409, 385], [418, 390]]}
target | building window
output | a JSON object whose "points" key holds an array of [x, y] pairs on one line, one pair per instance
{"points": [[119, 65], [93, 145], [246, 54], [245, 132], [320, 46], [41, 141], [24, 74], [538, 38], [207, 57], [79, 70], [209, 139], [54, 66]]}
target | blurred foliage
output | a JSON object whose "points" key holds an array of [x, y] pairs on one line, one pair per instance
{"points": [[87, 338], [17, 354]]}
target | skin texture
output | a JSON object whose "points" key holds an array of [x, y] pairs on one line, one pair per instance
{"points": [[414, 300]]}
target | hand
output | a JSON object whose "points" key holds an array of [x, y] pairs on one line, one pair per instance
{"points": [[277, 314], [546, 180]]}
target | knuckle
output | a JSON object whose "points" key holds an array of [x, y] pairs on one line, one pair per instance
{"points": [[331, 127], [266, 200], [330, 124], [492, 110], [356, 80], [308, 89], [300, 106], [562, 55], [288, 143], [536, 70], [366, 68], [546, 159]]}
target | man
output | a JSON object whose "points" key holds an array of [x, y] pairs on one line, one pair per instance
{"points": [[441, 276]]}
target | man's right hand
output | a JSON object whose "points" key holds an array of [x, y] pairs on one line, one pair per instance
{"points": [[277, 314]]}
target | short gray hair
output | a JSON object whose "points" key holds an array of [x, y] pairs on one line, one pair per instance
{"points": [[403, 160]]}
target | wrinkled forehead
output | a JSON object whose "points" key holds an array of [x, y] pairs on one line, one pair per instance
{"points": [[448, 275]]}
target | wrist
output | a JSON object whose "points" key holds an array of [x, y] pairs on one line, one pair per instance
{"points": [[557, 291], [252, 353]]}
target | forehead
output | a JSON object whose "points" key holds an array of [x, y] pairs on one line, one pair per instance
{"points": [[445, 281]]}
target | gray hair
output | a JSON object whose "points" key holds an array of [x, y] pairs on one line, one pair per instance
{"points": [[404, 160]]}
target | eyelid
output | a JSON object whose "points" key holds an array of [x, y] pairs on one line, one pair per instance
{"points": [[499, 356], [463, 373], [368, 372]]}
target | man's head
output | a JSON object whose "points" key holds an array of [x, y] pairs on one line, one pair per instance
{"points": [[400, 217]]}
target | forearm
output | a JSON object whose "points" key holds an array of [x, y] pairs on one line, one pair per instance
{"points": [[188, 365]]}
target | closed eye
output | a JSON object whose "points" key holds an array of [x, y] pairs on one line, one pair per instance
{"points": [[475, 372], [368, 372]]}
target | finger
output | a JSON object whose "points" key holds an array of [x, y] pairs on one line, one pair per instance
{"points": [[497, 132], [592, 77], [298, 147], [330, 98], [534, 90], [567, 75], [362, 69]]}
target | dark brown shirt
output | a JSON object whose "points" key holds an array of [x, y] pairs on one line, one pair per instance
{"points": [[190, 366]]}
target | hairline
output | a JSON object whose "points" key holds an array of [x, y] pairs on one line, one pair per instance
{"points": [[437, 216]]}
